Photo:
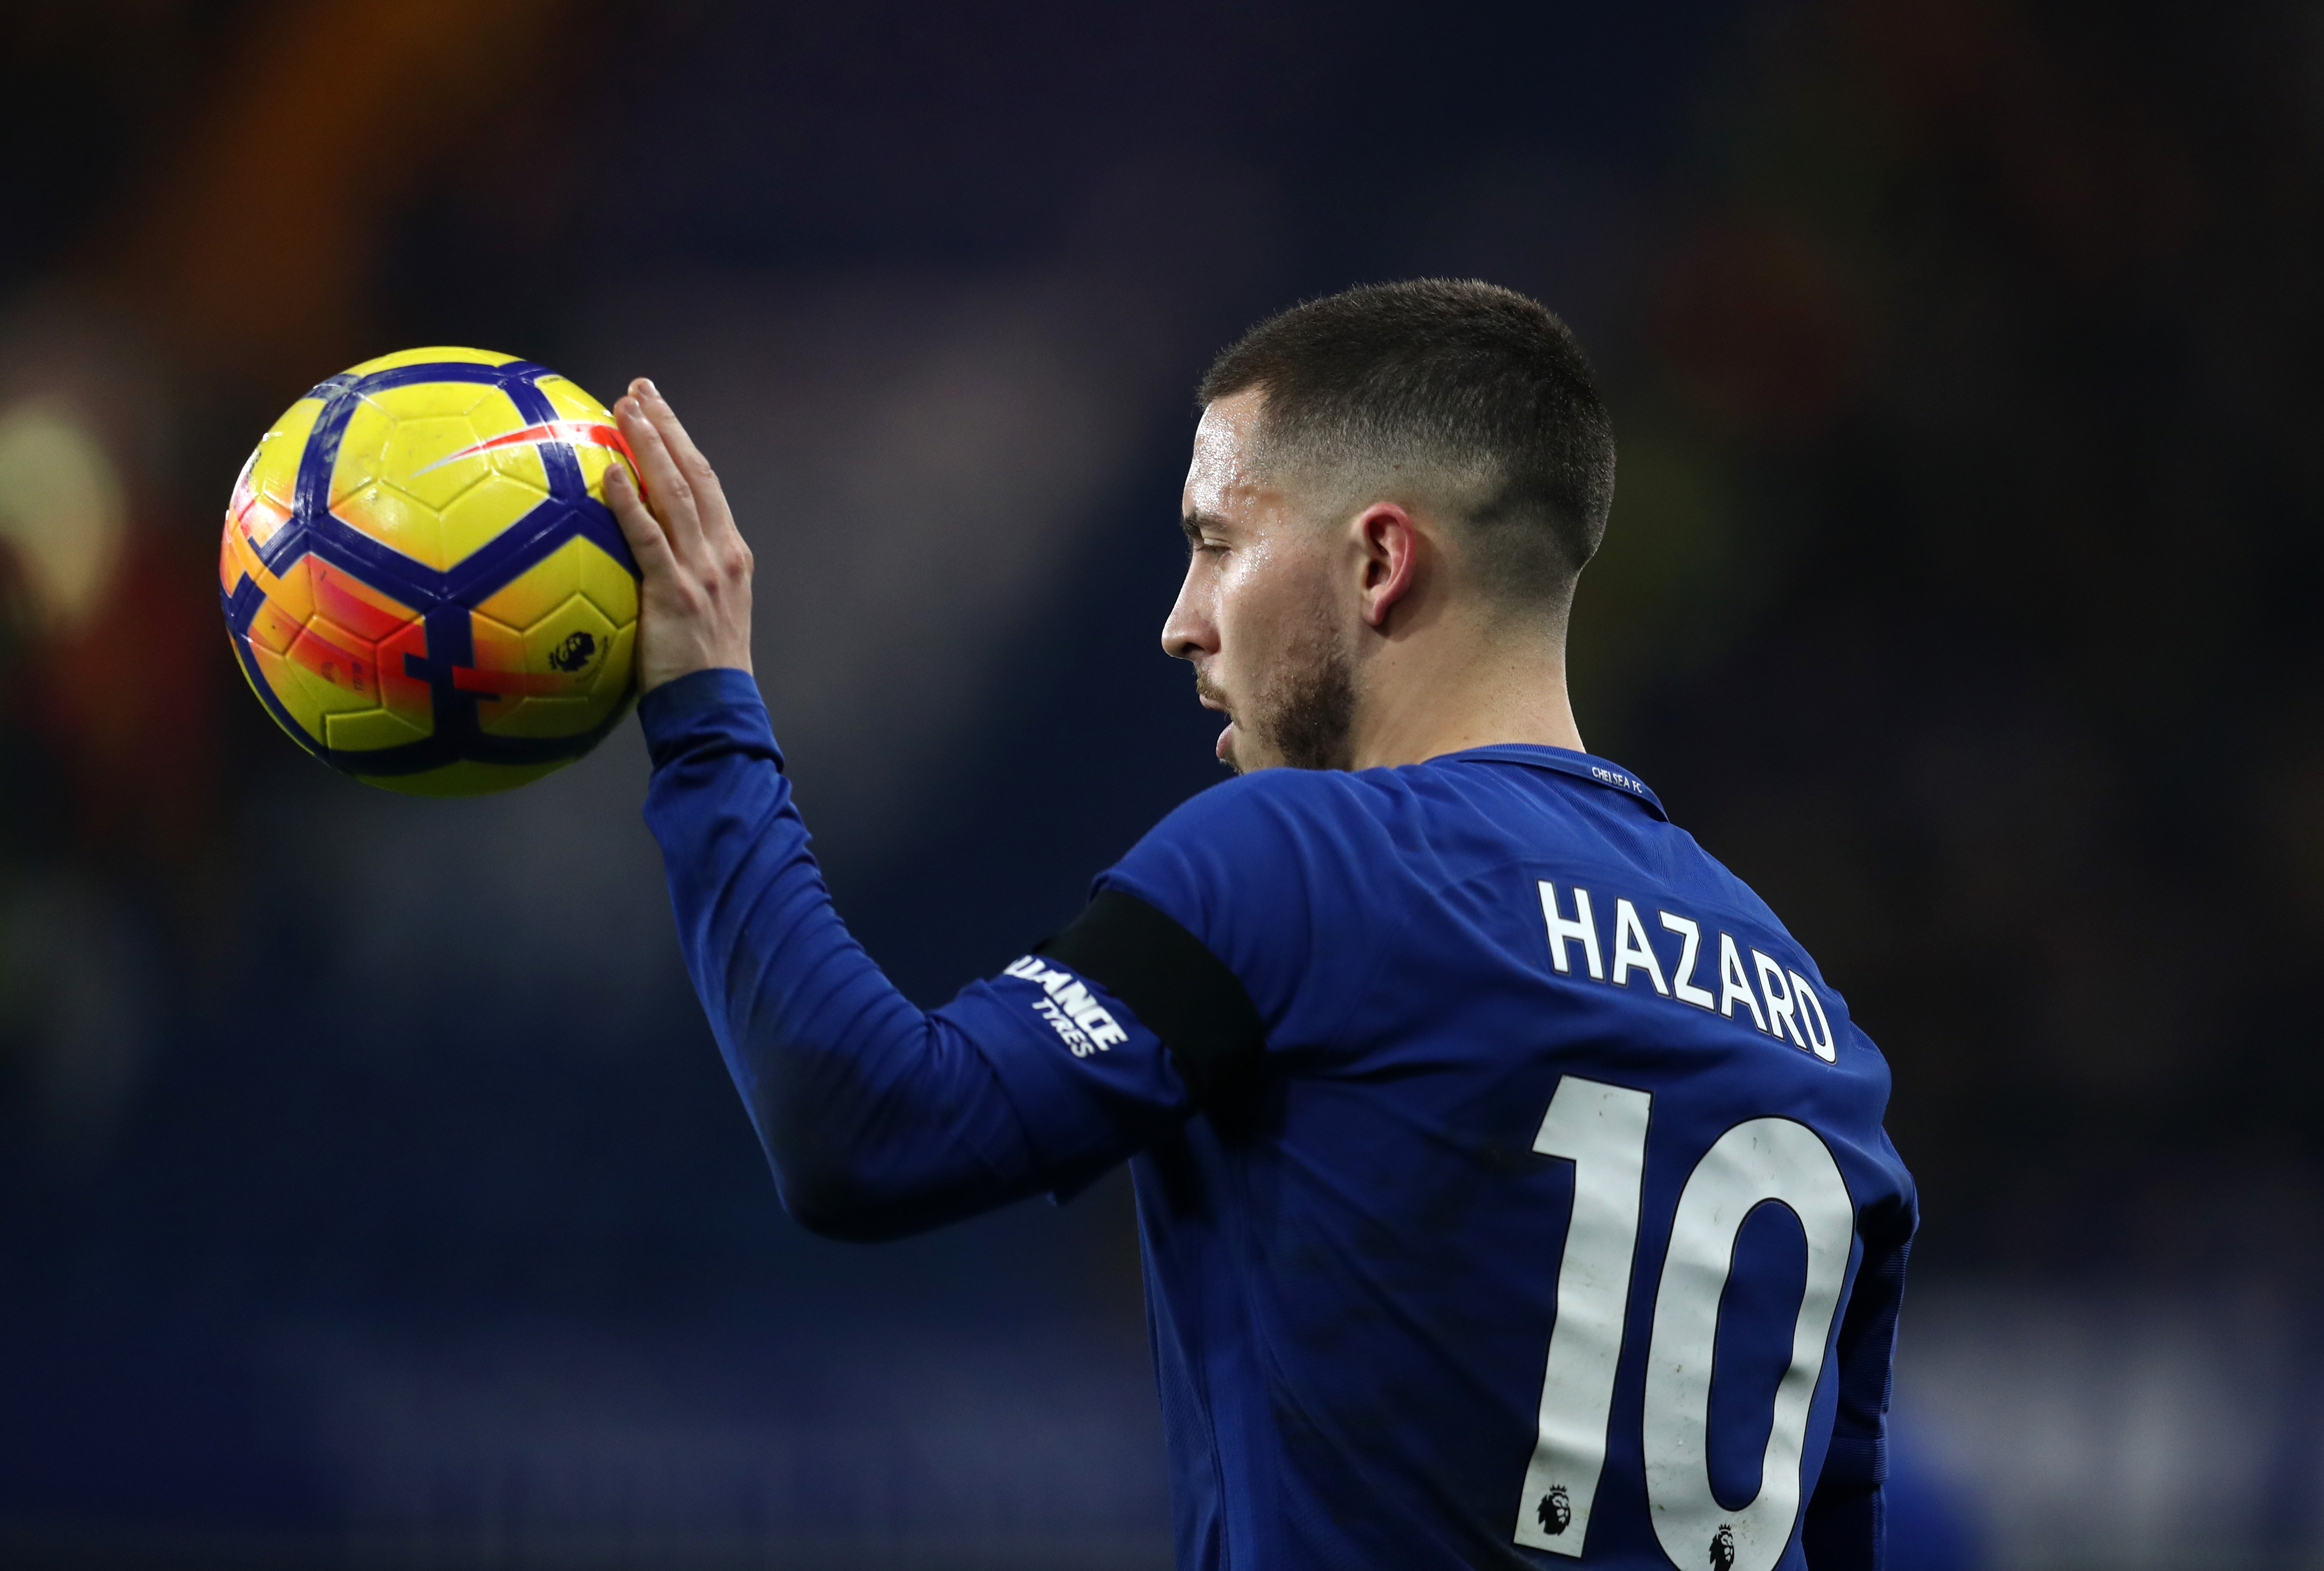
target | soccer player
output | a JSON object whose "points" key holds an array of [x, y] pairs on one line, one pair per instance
{"points": [[1512, 1185]]}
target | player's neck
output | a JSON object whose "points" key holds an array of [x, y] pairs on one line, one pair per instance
{"points": [[1429, 697]]}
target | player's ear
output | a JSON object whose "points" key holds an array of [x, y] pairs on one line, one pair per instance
{"points": [[1388, 543]]}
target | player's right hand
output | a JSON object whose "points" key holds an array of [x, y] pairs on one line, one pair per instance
{"points": [[693, 608]]}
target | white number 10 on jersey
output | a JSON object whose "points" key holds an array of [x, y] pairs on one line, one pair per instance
{"points": [[1601, 1129]]}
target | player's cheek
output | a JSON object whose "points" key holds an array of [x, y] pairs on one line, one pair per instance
{"points": [[1238, 612]]}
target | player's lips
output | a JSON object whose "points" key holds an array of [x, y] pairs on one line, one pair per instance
{"points": [[1204, 696]]}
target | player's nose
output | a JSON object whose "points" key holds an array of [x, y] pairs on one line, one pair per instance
{"points": [[1186, 631]]}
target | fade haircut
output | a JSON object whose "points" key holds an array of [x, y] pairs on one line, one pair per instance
{"points": [[1448, 391]]}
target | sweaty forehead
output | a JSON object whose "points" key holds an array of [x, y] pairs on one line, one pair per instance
{"points": [[1223, 480]]}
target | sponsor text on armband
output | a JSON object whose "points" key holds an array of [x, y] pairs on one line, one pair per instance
{"points": [[1080, 1021]]}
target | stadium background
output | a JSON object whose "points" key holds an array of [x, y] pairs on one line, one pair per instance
{"points": [[370, 1191]]}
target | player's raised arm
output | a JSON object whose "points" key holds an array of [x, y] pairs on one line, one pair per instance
{"points": [[879, 1118]]}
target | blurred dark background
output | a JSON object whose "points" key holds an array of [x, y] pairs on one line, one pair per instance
{"points": [[370, 1190]]}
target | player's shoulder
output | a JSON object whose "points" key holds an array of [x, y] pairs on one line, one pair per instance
{"points": [[1271, 849], [1262, 826], [1274, 799], [1330, 824]]}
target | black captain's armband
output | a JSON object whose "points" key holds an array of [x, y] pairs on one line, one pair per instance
{"points": [[1181, 991]]}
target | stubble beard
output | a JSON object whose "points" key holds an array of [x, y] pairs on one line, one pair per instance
{"points": [[1305, 713]]}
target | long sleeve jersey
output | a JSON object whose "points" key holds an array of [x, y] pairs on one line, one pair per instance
{"points": [[1512, 1186]]}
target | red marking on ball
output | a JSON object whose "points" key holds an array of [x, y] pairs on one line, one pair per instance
{"points": [[576, 433]]}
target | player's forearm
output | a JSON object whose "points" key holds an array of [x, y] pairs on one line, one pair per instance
{"points": [[878, 1119]]}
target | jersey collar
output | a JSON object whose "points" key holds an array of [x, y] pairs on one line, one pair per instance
{"points": [[1565, 761]]}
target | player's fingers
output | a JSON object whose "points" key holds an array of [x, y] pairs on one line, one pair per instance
{"points": [[640, 528], [720, 539], [673, 498], [690, 461]]}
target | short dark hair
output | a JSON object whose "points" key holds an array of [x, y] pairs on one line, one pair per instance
{"points": [[1452, 376]]}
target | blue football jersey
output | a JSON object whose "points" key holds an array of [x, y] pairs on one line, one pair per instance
{"points": [[1512, 1185]]}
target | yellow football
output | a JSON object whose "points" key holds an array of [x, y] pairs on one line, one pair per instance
{"points": [[421, 578]]}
